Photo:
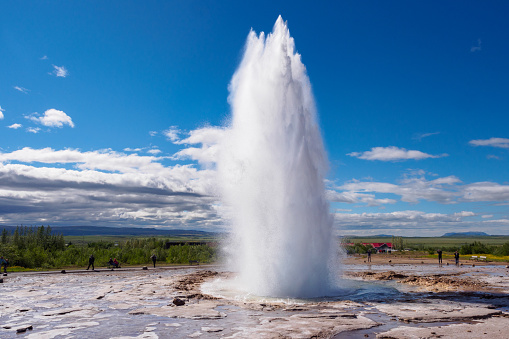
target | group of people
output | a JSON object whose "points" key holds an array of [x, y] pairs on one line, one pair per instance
{"points": [[456, 257], [91, 260], [114, 263], [4, 263]]}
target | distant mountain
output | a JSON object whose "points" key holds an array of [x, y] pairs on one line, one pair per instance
{"points": [[120, 231], [466, 234], [369, 236]]}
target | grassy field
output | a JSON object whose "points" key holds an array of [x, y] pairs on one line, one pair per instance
{"points": [[81, 240], [418, 242]]}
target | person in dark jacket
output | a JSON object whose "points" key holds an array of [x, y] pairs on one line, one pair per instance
{"points": [[154, 259], [91, 262], [457, 258], [4, 263]]}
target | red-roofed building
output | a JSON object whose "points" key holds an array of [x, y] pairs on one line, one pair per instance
{"points": [[379, 247]]}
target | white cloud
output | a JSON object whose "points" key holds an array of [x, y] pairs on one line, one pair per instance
{"points": [[61, 72], [15, 126], [354, 198], [171, 133], [477, 47], [206, 136], [1, 113], [493, 142], [487, 216], [497, 221], [154, 151], [45, 57], [152, 133], [34, 130], [393, 153], [53, 118], [21, 89], [485, 191], [421, 136], [128, 149], [210, 139]]}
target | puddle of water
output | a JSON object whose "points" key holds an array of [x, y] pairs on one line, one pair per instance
{"points": [[353, 290]]}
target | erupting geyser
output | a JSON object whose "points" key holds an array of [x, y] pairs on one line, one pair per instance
{"points": [[272, 165]]}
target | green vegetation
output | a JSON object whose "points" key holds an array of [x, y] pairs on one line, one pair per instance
{"points": [[358, 248], [497, 247], [41, 248]]}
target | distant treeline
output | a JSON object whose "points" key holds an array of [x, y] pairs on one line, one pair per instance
{"points": [[41, 247], [399, 244], [478, 247]]}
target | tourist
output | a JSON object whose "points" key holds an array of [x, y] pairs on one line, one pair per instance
{"points": [[4, 263], [91, 262], [110, 262], [154, 258], [369, 255], [457, 258], [439, 251], [115, 262]]}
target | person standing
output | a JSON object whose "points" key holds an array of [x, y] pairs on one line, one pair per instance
{"points": [[457, 258], [369, 255], [4, 263], [91, 262], [439, 251], [154, 259]]}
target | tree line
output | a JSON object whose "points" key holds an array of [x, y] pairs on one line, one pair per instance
{"points": [[41, 247]]}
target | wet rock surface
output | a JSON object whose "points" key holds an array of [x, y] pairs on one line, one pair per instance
{"points": [[386, 301]]}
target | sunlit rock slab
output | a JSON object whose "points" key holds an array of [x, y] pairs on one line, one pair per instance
{"points": [[302, 326], [493, 328], [437, 311]]}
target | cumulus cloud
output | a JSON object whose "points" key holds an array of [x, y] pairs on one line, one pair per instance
{"points": [[15, 126], [154, 151], [210, 139], [392, 153], [171, 133], [52, 118], [1, 113], [152, 133], [34, 130], [355, 198], [61, 71], [21, 89], [476, 47], [492, 142]]}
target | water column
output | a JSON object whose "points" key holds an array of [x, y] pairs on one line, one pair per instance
{"points": [[271, 168]]}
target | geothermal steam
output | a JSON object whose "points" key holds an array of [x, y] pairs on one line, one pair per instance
{"points": [[272, 167]]}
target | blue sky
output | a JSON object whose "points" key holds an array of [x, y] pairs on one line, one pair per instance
{"points": [[109, 111]]}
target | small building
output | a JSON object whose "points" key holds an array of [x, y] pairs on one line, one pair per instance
{"points": [[378, 247]]}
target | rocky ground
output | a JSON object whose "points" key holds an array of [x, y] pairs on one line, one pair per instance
{"points": [[381, 300]]}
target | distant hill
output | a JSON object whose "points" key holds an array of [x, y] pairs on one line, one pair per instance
{"points": [[466, 234], [369, 236], [120, 231]]}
